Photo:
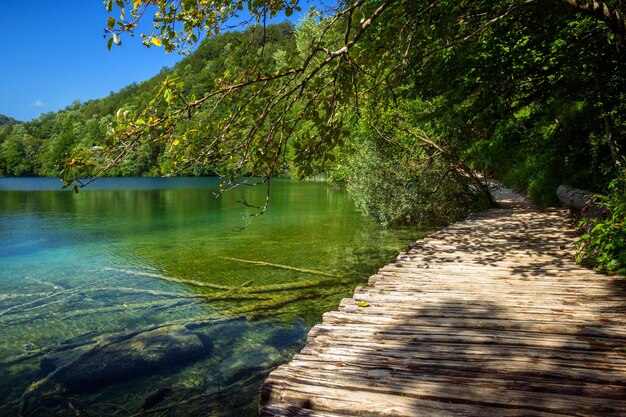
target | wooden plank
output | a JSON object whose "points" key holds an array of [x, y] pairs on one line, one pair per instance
{"points": [[372, 404], [476, 363], [505, 299], [308, 365], [435, 274], [287, 410], [434, 365], [408, 334], [569, 317], [534, 326], [520, 394], [478, 308]]}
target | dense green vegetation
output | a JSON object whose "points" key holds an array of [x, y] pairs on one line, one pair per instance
{"points": [[404, 99], [604, 243], [6, 120], [40, 147]]}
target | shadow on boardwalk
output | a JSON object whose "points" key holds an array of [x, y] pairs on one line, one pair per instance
{"points": [[489, 317]]}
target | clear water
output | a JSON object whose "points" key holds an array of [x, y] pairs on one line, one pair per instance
{"points": [[129, 255]]}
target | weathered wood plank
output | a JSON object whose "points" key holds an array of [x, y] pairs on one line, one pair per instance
{"points": [[488, 317], [288, 410], [408, 334], [520, 394], [476, 308], [372, 404], [512, 370], [493, 323], [472, 357]]}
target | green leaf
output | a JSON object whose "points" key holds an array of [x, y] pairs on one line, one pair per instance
{"points": [[110, 43], [116, 39], [76, 189], [613, 265], [288, 12], [167, 95], [111, 21], [363, 304]]}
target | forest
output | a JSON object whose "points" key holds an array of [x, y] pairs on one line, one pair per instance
{"points": [[411, 103]]}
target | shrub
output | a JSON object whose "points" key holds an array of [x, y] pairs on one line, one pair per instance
{"points": [[604, 243], [399, 181]]}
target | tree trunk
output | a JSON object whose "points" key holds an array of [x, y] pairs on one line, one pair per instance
{"points": [[458, 165], [616, 153], [573, 197], [611, 140]]}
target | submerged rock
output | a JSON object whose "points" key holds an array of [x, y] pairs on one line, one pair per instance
{"points": [[135, 356], [259, 360], [283, 338]]}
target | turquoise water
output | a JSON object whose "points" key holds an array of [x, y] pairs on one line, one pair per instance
{"points": [[128, 256]]}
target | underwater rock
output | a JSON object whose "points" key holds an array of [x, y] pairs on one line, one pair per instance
{"points": [[283, 338], [254, 361], [137, 355]]}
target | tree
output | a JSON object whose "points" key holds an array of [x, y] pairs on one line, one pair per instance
{"points": [[18, 152], [512, 78], [318, 87]]}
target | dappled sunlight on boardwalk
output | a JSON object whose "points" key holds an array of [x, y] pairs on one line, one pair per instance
{"points": [[488, 317]]}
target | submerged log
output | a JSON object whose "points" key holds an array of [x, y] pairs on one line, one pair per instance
{"points": [[287, 267]]}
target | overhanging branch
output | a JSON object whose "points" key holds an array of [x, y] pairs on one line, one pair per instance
{"points": [[613, 16]]}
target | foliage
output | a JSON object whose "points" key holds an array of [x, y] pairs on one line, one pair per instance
{"points": [[397, 176], [604, 244], [6, 120], [74, 140], [178, 24], [426, 93], [391, 188], [526, 99]]}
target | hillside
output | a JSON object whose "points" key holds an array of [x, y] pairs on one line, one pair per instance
{"points": [[6, 120], [38, 147]]}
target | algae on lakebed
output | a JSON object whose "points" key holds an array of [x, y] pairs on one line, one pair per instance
{"points": [[75, 270]]}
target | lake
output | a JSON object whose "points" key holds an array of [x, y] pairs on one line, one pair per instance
{"points": [[143, 296]]}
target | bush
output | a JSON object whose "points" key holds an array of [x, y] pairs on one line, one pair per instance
{"points": [[400, 182], [604, 243]]}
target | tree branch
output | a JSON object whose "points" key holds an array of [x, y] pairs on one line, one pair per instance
{"points": [[613, 16]]}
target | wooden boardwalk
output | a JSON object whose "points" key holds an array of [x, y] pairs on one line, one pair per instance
{"points": [[488, 317]]}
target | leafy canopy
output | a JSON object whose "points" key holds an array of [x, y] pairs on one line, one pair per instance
{"points": [[178, 24], [529, 91]]}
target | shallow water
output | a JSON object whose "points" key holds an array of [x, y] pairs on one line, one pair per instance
{"points": [[82, 272]]}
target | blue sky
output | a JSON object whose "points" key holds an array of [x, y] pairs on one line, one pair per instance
{"points": [[53, 52]]}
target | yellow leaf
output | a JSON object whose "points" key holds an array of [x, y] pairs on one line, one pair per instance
{"points": [[156, 42]]}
